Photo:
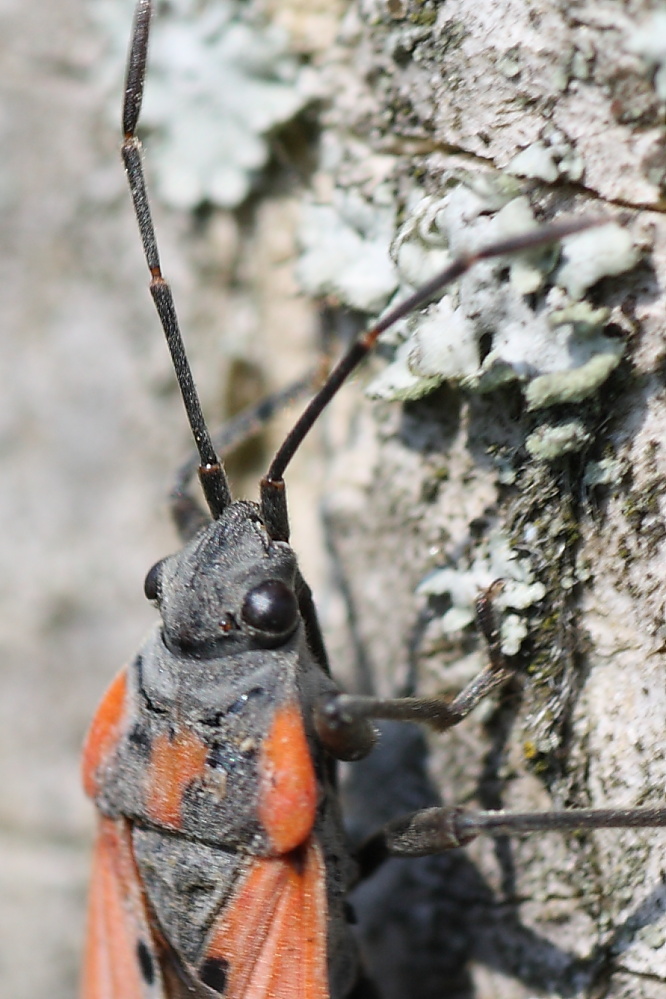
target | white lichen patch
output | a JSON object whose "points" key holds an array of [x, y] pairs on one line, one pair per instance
{"points": [[346, 252], [536, 161], [434, 356], [527, 271], [548, 160], [589, 256], [220, 81], [648, 40], [398, 382], [484, 332], [493, 560]]}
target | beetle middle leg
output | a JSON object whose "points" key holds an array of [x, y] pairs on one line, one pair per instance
{"points": [[335, 715], [438, 829]]}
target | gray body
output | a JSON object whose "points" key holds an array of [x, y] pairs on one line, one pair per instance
{"points": [[205, 675]]}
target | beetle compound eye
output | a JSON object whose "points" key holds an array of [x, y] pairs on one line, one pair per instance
{"points": [[271, 607], [151, 585]]}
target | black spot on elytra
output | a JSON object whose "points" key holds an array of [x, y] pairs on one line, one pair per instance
{"points": [[214, 720], [297, 859], [213, 973], [140, 739], [145, 963]]}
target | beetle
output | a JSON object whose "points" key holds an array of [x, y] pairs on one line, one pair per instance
{"points": [[221, 864]]}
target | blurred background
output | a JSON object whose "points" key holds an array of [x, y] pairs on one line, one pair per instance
{"points": [[91, 429]]}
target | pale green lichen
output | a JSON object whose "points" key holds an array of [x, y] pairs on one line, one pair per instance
{"points": [[602, 473], [584, 317], [220, 81], [547, 443], [577, 383]]}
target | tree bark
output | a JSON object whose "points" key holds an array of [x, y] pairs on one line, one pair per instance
{"points": [[427, 96]]}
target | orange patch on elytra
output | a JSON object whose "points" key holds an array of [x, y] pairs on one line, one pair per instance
{"points": [[288, 787], [104, 733], [272, 936], [174, 763], [117, 919]]}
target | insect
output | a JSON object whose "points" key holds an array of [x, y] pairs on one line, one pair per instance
{"points": [[221, 866]]}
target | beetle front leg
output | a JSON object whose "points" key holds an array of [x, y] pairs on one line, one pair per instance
{"points": [[337, 713], [345, 736]]}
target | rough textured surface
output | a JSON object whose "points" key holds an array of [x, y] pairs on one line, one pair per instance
{"points": [[430, 98], [423, 95]]}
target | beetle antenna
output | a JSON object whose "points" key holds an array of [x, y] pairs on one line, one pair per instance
{"points": [[211, 473]]}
